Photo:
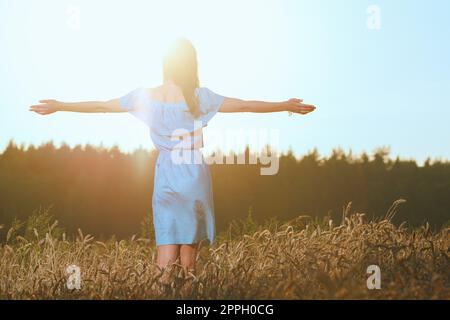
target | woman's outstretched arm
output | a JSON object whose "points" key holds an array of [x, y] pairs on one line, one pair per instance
{"points": [[51, 106], [291, 105]]}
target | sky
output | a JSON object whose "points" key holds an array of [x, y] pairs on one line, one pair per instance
{"points": [[378, 71]]}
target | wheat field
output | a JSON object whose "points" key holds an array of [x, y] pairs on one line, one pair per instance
{"points": [[301, 259]]}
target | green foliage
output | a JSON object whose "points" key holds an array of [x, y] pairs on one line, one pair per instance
{"points": [[37, 225], [247, 226], [106, 192], [13, 231], [40, 223], [146, 227]]}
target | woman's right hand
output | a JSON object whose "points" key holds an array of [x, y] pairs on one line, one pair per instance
{"points": [[297, 106], [46, 107]]}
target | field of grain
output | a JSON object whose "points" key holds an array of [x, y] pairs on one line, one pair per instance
{"points": [[301, 259]]}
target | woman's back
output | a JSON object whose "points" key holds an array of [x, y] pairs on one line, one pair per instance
{"points": [[164, 110]]}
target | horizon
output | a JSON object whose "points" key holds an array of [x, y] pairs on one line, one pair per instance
{"points": [[346, 152], [382, 85]]}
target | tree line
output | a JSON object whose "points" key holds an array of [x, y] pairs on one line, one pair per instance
{"points": [[104, 191]]}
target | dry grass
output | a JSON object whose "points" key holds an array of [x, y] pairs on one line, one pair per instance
{"points": [[297, 260]]}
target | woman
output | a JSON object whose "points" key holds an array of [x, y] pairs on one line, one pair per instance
{"points": [[175, 113]]}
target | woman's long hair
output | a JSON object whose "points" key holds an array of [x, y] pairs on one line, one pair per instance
{"points": [[180, 66]]}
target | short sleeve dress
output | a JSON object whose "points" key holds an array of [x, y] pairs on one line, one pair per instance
{"points": [[182, 202]]}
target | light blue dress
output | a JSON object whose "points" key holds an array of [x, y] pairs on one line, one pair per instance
{"points": [[183, 208]]}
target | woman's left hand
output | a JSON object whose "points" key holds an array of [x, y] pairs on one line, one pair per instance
{"points": [[45, 107]]}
